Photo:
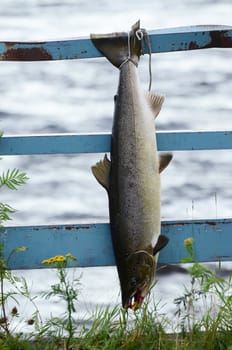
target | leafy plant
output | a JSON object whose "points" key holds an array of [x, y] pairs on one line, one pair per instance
{"points": [[206, 307], [12, 179], [67, 290]]}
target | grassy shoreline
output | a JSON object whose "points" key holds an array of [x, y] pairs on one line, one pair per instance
{"points": [[202, 318], [110, 332], [115, 328]]}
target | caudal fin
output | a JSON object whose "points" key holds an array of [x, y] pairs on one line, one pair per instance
{"points": [[118, 47]]}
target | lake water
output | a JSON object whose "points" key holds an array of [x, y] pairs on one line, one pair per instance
{"points": [[77, 96]]}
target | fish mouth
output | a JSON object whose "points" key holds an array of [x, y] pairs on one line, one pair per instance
{"points": [[136, 299]]}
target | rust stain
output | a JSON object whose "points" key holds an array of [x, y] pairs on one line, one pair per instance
{"points": [[211, 223], [193, 45], [87, 227], [69, 228], [201, 223], [9, 45], [174, 224], [217, 39], [66, 228], [25, 54], [221, 257], [215, 223], [221, 39]]}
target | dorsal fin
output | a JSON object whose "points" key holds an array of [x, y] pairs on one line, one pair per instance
{"points": [[101, 171], [155, 101]]}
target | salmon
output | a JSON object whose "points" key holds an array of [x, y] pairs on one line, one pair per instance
{"points": [[132, 175]]}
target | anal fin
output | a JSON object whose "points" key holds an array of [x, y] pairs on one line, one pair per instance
{"points": [[160, 244]]}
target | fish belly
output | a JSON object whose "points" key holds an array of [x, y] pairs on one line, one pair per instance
{"points": [[134, 182]]}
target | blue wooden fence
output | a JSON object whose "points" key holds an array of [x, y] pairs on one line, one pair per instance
{"points": [[213, 238]]}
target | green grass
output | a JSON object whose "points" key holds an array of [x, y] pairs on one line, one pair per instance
{"points": [[115, 328], [202, 320], [110, 329]]}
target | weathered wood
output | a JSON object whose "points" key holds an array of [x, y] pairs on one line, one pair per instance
{"points": [[97, 143], [91, 243], [162, 40]]}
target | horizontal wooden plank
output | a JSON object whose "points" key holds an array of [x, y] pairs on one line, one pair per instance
{"points": [[91, 243], [98, 143], [55, 144], [162, 40]]}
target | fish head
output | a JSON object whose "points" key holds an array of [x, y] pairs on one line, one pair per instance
{"points": [[138, 276]]}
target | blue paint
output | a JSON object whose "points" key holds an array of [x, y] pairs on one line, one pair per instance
{"points": [[91, 243], [99, 143], [213, 239], [199, 140], [162, 40]]}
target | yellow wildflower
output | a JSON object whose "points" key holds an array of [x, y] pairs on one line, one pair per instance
{"points": [[60, 258], [54, 259], [46, 261], [70, 256], [188, 242]]}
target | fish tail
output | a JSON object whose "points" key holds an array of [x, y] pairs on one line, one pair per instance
{"points": [[120, 47]]}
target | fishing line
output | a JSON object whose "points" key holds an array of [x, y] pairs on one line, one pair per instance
{"points": [[148, 43], [143, 36], [129, 53]]}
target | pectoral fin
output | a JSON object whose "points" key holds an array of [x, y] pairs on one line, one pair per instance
{"points": [[164, 160], [160, 244], [155, 102], [101, 171]]}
